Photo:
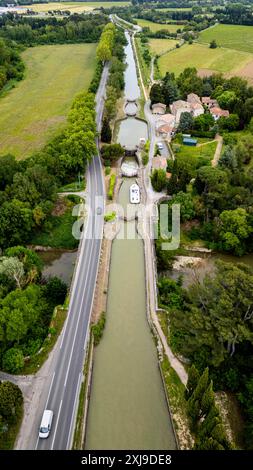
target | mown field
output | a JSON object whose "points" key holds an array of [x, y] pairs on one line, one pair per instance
{"points": [[160, 46], [230, 36], [31, 112], [77, 7], [206, 60], [157, 26]]}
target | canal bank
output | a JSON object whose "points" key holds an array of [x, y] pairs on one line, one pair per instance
{"points": [[128, 408]]}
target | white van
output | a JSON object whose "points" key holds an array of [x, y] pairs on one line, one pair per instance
{"points": [[46, 424]]}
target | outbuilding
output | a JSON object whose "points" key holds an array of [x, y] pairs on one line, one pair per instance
{"points": [[190, 141]]}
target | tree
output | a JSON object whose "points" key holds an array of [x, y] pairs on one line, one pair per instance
{"points": [[19, 311], [13, 269], [227, 100], [222, 306], [32, 263], [156, 94], [55, 291], [186, 122], [13, 360], [235, 230], [16, 223], [169, 89], [228, 159], [192, 382], [112, 152], [189, 82], [9, 166], [185, 200], [213, 44], [158, 180], [106, 133], [11, 399], [230, 123], [204, 122]]}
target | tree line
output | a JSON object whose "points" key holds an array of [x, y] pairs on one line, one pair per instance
{"points": [[31, 31], [11, 64]]}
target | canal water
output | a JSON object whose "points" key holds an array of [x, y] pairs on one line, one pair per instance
{"points": [[127, 408]]}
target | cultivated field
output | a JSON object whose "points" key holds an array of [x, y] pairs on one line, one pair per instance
{"points": [[74, 7], [157, 26], [230, 36], [206, 60], [160, 46], [31, 112]]}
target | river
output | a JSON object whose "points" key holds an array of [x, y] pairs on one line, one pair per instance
{"points": [[127, 408]]}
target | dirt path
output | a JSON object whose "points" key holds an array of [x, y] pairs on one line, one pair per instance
{"points": [[218, 150]]}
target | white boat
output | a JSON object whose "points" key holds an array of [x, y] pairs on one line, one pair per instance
{"points": [[134, 191]]}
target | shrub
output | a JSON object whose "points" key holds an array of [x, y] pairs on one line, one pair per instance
{"points": [[111, 186]]}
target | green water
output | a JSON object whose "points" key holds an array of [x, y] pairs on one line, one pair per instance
{"points": [[127, 407]]}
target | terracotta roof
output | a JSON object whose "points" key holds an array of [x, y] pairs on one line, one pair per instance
{"points": [[159, 163], [219, 112], [166, 128], [193, 98], [160, 105]]}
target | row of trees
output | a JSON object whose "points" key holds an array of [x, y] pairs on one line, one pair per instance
{"points": [[11, 65], [116, 84], [204, 415], [211, 323], [28, 188], [33, 30]]}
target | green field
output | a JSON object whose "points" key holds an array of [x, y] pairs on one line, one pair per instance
{"points": [[31, 112], [160, 46], [77, 7], [230, 36], [172, 28], [205, 151], [204, 59]]}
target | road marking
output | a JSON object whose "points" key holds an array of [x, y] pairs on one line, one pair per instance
{"points": [[74, 410], [50, 390], [37, 443], [80, 311], [56, 425], [77, 271]]}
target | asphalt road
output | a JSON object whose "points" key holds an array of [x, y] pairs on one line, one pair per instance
{"points": [[67, 374]]}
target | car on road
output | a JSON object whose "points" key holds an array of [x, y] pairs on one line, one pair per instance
{"points": [[46, 424], [160, 145], [99, 210]]}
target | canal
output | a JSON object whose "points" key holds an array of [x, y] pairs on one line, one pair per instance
{"points": [[127, 408]]}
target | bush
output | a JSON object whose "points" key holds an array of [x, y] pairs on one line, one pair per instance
{"points": [[111, 186], [98, 329]]}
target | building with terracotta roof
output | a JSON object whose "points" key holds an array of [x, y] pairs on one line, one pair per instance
{"points": [[217, 112], [158, 108]]}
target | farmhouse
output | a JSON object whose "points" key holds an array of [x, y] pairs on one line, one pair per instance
{"points": [[192, 105], [217, 112], [166, 131], [159, 108]]}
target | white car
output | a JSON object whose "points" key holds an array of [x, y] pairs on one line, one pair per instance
{"points": [[160, 145], [46, 423]]}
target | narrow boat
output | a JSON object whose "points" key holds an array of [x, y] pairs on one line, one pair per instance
{"points": [[134, 191]]}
